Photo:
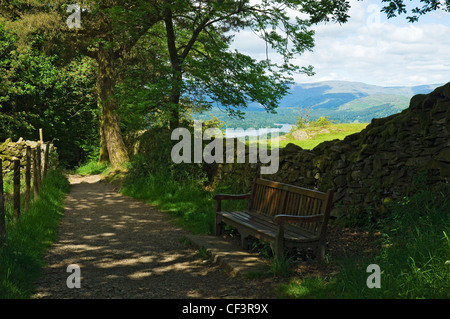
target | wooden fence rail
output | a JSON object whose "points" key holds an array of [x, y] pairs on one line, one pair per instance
{"points": [[36, 170]]}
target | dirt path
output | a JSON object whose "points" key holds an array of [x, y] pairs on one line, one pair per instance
{"points": [[126, 249]]}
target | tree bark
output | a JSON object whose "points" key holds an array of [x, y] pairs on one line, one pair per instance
{"points": [[103, 156], [2, 209], [175, 99], [176, 59], [111, 139], [177, 76]]}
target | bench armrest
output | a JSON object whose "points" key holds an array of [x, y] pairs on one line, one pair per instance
{"points": [[220, 197], [283, 219]]}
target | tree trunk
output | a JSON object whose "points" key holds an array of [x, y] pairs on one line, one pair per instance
{"points": [[177, 75], [2, 209], [175, 98], [110, 134], [103, 156]]}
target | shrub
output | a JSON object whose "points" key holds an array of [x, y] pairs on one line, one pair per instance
{"points": [[322, 121]]}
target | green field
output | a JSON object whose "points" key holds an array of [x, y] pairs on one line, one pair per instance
{"points": [[321, 134]]}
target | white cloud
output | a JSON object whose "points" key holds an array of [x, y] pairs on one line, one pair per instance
{"points": [[370, 48]]}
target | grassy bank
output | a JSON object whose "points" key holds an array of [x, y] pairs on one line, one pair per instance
{"points": [[21, 258], [414, 258]]}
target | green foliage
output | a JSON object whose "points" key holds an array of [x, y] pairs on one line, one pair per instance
{"points": [[419, 245], [398, 7], [303, 119], [142, 93], [92, 167], [282, 266], [37, 91], [322, 121], [163, 58], [176, 188], [235, 83], [413, 257], [22, 256], [203, 71], [306, 288]]}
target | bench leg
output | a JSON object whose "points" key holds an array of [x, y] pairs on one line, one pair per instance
{"points": [[218, 230], [278, 248], [320, 251], [244, 241]]}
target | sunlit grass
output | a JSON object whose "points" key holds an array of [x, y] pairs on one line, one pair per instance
{"points": [[414, 257], [317, 135], [92, 167], [21, 258], [322, 134]]}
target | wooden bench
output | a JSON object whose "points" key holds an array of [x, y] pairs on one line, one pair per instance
{"points": [[280, 214]]}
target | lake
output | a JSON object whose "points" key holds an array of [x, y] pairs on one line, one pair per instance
{"points": [[236, 132]]}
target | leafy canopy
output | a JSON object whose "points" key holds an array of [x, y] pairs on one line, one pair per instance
{"points": [[398, 7], [203, 71]]}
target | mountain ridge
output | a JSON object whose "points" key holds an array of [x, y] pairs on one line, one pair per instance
{"points": [[333, 93], [340, 101]]}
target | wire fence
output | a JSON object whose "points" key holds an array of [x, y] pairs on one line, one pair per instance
{"points": [[21, 185]]}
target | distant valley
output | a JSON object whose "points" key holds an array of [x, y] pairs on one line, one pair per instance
{"points": [[341, 101]]}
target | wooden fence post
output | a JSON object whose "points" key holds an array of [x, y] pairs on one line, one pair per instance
{"points": [[47, 146], [35, 174], [39, 165], [26, 203], [2, 209], [16, 193]]}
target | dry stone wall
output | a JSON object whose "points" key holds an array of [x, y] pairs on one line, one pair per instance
{"points": [[383, 162], [10, 150]]}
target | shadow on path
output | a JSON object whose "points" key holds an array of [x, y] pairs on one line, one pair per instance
{"points": [[127, 249]]}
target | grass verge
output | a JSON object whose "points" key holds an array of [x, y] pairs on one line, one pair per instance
{"points": [[414, 258], [21, 258]]}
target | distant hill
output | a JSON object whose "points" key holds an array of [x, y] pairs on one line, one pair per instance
{"points": [[333, 94], [341, 101]]}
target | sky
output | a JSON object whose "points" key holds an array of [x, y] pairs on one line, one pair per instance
{"points": [[372, 49]]}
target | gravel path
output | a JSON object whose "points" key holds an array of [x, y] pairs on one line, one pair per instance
{"points": [[127, 249]]}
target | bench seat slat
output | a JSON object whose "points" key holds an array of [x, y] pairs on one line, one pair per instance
{"points": [[263, 225]]}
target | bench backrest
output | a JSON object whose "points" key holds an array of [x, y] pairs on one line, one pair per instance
{"points": [[273, 198]]}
